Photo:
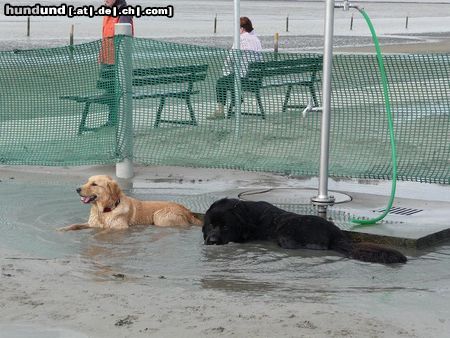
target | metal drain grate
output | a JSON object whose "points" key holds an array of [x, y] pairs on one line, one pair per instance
{"points": [[401, 211]]}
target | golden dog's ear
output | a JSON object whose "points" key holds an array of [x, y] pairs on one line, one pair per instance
{"points": [[114, 190]]}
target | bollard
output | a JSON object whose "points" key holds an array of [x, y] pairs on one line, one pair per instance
{"points": [[275, 42], [124, 169], [287, 23], [215, 24], [71, 41], [28, 26], [351, 23], [71, 35], [406, 23]]}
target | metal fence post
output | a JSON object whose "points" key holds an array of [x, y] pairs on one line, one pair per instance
{"points": [[124, 169]]}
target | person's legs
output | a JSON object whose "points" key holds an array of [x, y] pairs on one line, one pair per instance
{"points": [[223, 85], [107, 83]]}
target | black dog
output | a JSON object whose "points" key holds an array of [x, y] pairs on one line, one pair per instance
{"points": [[232, 220]]}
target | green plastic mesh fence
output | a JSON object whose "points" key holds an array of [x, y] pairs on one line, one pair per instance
{"points": [[159, 102], [40, 120]]}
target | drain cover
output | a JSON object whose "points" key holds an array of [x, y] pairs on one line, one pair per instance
{"points": [[401, 211]]}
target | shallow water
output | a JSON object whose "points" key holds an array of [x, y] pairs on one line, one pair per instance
{"points": [[177, 257]]}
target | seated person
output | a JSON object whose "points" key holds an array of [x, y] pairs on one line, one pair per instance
{"points": [[251, 46]]}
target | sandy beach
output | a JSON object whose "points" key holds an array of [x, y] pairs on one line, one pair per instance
{"points": [[51, 298]]}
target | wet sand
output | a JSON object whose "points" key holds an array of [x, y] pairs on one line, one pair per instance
{"points": [[41, 296]]}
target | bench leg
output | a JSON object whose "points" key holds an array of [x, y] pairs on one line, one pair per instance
{"points": [[191, 110], [82, 126], [286, 98], [230, 110], [112, 114], [158, 113], [313, 94], [261, 108]]}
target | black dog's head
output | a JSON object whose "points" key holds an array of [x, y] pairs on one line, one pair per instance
{"points": [[226, 221]]}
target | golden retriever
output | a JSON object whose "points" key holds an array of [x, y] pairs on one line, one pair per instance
{"points": [[112, 209]]}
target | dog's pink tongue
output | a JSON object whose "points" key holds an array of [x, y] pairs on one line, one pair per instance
{"points": [[85, 199]]}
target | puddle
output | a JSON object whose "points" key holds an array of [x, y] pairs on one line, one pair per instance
{"points": [[176, 257]]}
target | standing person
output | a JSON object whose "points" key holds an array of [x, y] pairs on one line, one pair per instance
{"points": [[107, 49], [251, 45], [107, 56]]}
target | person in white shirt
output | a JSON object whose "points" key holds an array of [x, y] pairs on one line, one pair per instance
{"points": [[251, 48]]}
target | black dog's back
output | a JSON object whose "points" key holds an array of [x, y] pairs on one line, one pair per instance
{"points": [[295, 231], [232, 220], [313, 232]]}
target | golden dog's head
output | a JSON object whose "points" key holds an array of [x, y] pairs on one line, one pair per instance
{"points": [[102, 190]]}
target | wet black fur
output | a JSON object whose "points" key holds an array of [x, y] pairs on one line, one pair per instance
{"points": [[232, 220]]}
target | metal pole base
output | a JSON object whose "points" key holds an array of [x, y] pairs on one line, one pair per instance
{"points": [[322, 211], [323, 200], [322, 203]]}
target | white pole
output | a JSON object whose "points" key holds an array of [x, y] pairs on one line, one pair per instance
{"points": [[322, 200], [124, 169], [236, 57], [237, 24]]}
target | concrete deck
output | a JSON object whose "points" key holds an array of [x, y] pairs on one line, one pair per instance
{"points": [[420, 217]]}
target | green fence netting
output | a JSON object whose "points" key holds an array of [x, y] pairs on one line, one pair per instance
{"points": [[61, 106]]}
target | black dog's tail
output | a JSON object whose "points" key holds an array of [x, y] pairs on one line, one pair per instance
{"points": [[369, 252]]}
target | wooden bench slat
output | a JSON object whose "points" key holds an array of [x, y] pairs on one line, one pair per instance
{"points": [[154, 71], [101, 98], [180, 95], [154, 80], [289, 70], [288, 63]]}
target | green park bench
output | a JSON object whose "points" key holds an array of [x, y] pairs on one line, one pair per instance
{"points": [[280, 73], [158, 77]]}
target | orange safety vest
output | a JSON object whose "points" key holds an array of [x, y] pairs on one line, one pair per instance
{"points": [[107, 49]]}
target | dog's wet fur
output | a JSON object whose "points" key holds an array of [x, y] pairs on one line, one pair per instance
{"points": [[233, 220], [112, 209]]}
